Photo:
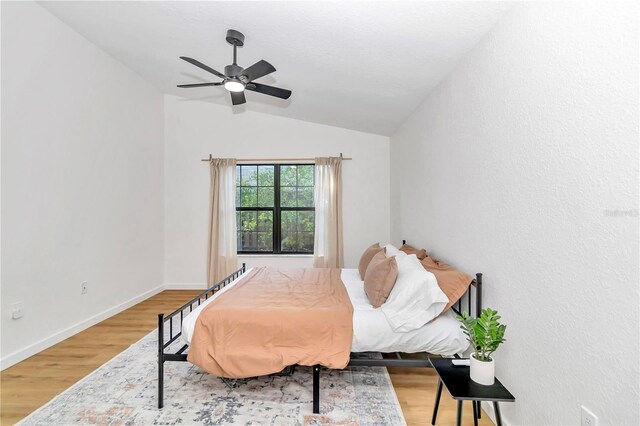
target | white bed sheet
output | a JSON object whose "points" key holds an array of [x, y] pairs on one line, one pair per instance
{"points": [[371, 331]]}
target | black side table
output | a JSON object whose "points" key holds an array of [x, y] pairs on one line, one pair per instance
{"points": [[461, 388]]}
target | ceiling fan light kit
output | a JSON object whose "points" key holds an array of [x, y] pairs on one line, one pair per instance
{"points": [[234, 85], [235, 78]]}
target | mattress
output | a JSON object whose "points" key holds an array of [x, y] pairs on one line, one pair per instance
{"points": [[371, 331]]}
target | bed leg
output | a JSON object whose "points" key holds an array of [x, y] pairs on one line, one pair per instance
{"points": [[160, 359], [316, 389]]}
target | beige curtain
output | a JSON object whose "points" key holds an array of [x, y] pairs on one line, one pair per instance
{"points": [[328, 251], [223, 250]]}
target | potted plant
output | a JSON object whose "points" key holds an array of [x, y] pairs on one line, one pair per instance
{"points": [[485, 335]]}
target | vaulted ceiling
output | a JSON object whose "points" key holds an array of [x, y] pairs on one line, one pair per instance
{"points": [[359, 65]]}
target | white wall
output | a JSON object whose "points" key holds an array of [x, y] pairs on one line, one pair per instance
{"points": [[195, 128], [510, 167], [82, 182]]}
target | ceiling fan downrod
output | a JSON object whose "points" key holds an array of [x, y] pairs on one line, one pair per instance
{"points": [[236, 39]]}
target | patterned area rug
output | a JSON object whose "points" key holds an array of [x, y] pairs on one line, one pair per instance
{"points": [[124, 392]]}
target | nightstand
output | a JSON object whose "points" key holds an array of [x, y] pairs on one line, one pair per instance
{"points": [[461, 388]]}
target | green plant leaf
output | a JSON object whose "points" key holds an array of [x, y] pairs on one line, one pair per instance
{"points": [[484, 333]]}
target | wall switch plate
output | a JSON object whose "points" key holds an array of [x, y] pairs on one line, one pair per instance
{"points": [[83, 287], [16, 310], [587, 418]]}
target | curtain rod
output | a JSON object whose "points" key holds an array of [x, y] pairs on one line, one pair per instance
{"points": [[272, 160]]}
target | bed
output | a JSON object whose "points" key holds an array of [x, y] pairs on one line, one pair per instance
{"points": [[371, 330]]}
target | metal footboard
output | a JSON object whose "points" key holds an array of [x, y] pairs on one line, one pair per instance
{"points": [[176, 331]]}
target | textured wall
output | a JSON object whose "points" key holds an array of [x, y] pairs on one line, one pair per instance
{"points": [[82, 193], [514, 166]]}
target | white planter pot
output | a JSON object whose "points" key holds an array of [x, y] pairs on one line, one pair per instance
{"points": [[482, 372]]}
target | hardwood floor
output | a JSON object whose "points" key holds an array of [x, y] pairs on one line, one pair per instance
{"points": [[416, 390], [33, 382]]}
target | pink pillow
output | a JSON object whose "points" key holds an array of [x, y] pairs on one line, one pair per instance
{"points": [[452, 282], [380, 278], [366, 258], [420, 254]]}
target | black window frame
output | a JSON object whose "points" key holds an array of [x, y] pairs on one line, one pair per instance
{"points": [[277, 209]]}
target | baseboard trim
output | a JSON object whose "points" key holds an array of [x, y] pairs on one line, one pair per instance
{"points": [[58, 337], [487, 407], [186, 286]]}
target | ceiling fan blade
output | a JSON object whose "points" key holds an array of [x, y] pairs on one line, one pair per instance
{"points": [[199, 85], [259, 69], [237, 98], [269, 90], [203, 66]]}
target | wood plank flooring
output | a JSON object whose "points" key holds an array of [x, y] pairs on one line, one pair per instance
{"points": [[33, 382]]}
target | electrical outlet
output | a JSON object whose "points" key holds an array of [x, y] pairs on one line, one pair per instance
{"points": [[83, 287], [587, 418], [16, 310]]}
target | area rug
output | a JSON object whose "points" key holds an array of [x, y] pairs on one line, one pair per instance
{"points": [[124, 392]]}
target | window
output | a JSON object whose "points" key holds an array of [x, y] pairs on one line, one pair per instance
{"points": [[274, 208]]}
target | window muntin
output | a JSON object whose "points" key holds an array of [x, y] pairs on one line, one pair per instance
{"points": [[274, 208]]}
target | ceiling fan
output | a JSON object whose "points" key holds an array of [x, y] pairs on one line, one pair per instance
{"points": [[237, 79]]}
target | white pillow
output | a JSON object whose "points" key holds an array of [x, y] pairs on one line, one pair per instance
{"points": [[391, 250], [416, 297]]}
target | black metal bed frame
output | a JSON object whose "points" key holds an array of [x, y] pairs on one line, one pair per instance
{"points": [[180, 354]]}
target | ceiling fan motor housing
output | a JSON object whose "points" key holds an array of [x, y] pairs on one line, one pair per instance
{"points": [[233, 70]]}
